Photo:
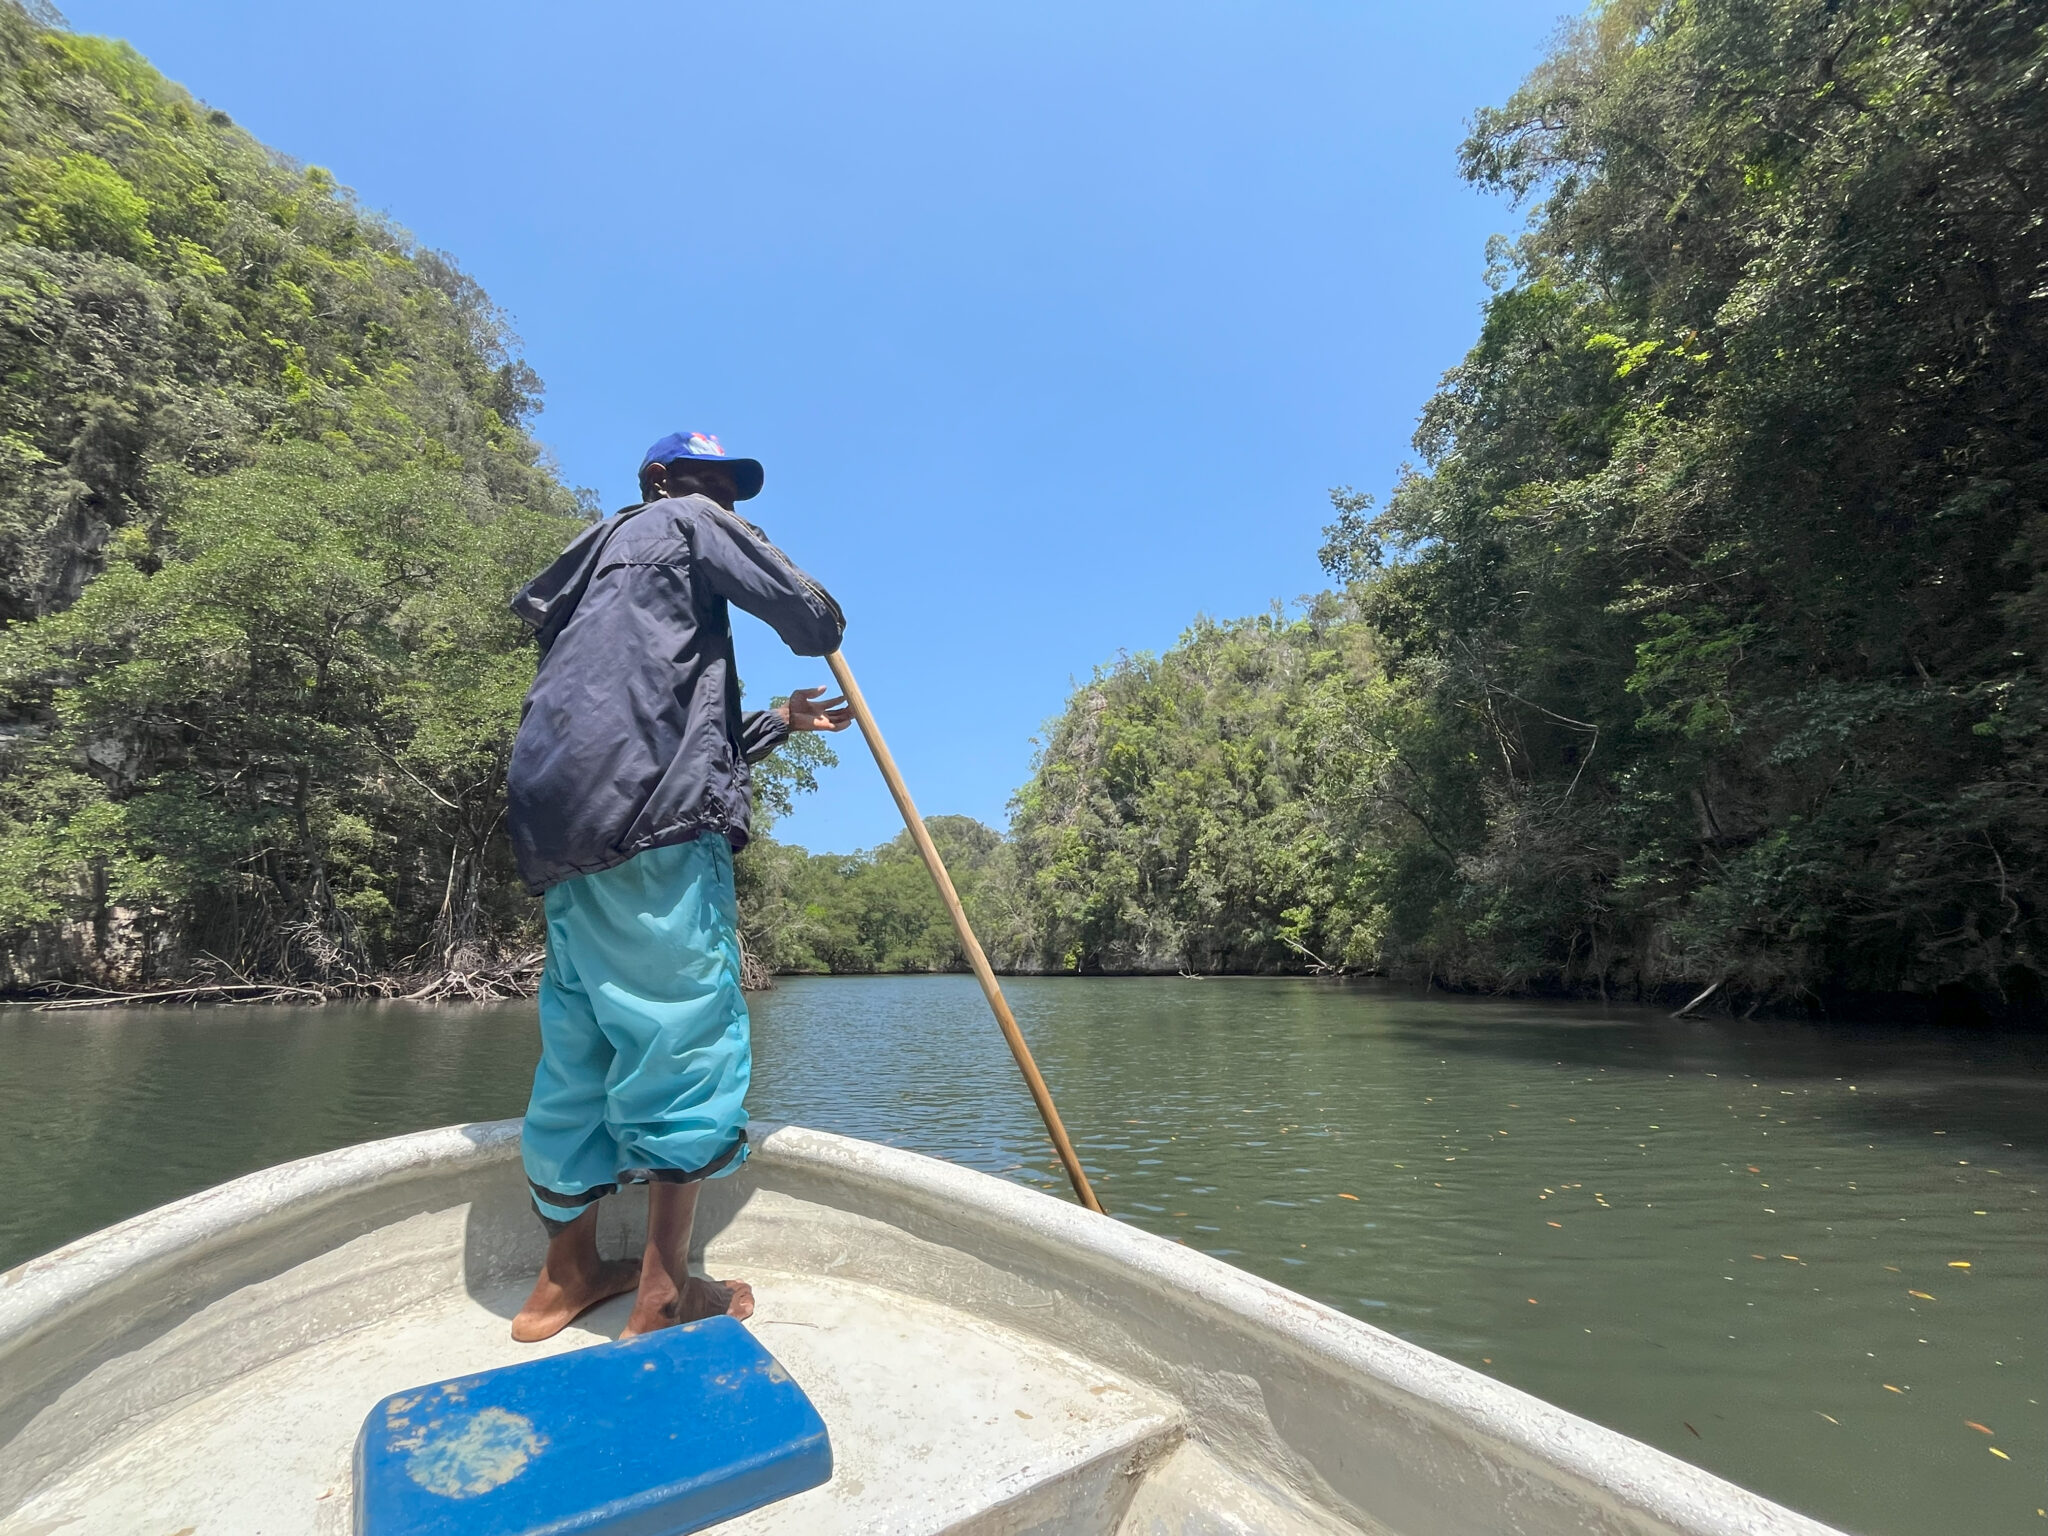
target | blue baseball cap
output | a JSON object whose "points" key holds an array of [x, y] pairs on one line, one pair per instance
{"points": [[747, 474]]}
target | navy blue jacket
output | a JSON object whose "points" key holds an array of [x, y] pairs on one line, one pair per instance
{"points": [[632, 736]]}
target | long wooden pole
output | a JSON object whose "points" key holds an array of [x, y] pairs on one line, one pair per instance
{"points": [[1040, 1094]]}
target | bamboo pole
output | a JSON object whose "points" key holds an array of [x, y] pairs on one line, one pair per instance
{"points": [[900, 792]]}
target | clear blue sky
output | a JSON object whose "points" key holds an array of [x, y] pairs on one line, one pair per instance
{"points": [[1053, 323]]}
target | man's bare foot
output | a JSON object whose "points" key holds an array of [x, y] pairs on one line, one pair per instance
{"points": [[701, 1298], [555, 1304]]}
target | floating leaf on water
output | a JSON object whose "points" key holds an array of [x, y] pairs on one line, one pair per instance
{"points": [[1982, 1429]]}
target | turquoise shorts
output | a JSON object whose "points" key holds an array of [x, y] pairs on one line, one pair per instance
{"points": [[644, 1051]]}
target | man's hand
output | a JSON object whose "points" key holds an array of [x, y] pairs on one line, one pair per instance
{"points": [[807, 711]]}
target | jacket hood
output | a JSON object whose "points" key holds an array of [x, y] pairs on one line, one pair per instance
{"points": [[547, 603]]}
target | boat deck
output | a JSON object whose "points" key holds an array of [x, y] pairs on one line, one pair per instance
{"points": [[988, 1362], [939, 1422]]}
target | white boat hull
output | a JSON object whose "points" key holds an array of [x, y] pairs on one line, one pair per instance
{"points": [[987, 1359]]}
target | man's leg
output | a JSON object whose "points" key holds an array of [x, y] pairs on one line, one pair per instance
{"points": [[573, 1279], [669, 1293], [670, 1004], [570, 1159]]}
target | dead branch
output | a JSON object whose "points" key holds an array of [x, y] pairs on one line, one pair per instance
{"points": [[1688, 1008], [72, 998], [1319, 966]]}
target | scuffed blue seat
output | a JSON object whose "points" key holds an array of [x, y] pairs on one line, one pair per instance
{"points": [[652, 1436]]}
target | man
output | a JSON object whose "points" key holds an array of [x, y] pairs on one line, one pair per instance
{"points": [[627, 797]]}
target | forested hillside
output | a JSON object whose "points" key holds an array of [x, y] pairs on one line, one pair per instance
{"points": [[1704, 647], [264, 491]]}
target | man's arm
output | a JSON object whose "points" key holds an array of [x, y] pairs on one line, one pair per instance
{"points": [[746, 570], [761, 732]]}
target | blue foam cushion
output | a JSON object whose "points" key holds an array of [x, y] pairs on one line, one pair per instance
{"points": [[648, 1437]]}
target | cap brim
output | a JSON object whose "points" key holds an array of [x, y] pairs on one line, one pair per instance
{"points": [[747, 474]]}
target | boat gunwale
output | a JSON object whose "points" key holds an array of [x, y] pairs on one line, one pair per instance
{"points": [[37, 1295]]}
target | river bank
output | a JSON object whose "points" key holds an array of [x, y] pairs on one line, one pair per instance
{"points": [[484, 982], [469, 979], [519, 977]]}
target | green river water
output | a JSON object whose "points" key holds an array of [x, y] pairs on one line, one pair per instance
{"points": [[1811, 1259]]}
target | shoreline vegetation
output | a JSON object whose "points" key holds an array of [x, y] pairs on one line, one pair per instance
{"points": [[1696, 660]]}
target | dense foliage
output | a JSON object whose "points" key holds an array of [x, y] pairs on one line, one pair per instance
{"points": [[1706, 645], [876, 910], [264, 491]]}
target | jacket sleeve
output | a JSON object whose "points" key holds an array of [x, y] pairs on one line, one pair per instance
{"points": [[746, 570], [761, 732]]}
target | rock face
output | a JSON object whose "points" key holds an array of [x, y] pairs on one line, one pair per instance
{"points": [[125, 948]]}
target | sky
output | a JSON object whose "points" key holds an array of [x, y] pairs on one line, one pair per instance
{"points": [[1053, 324]]}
